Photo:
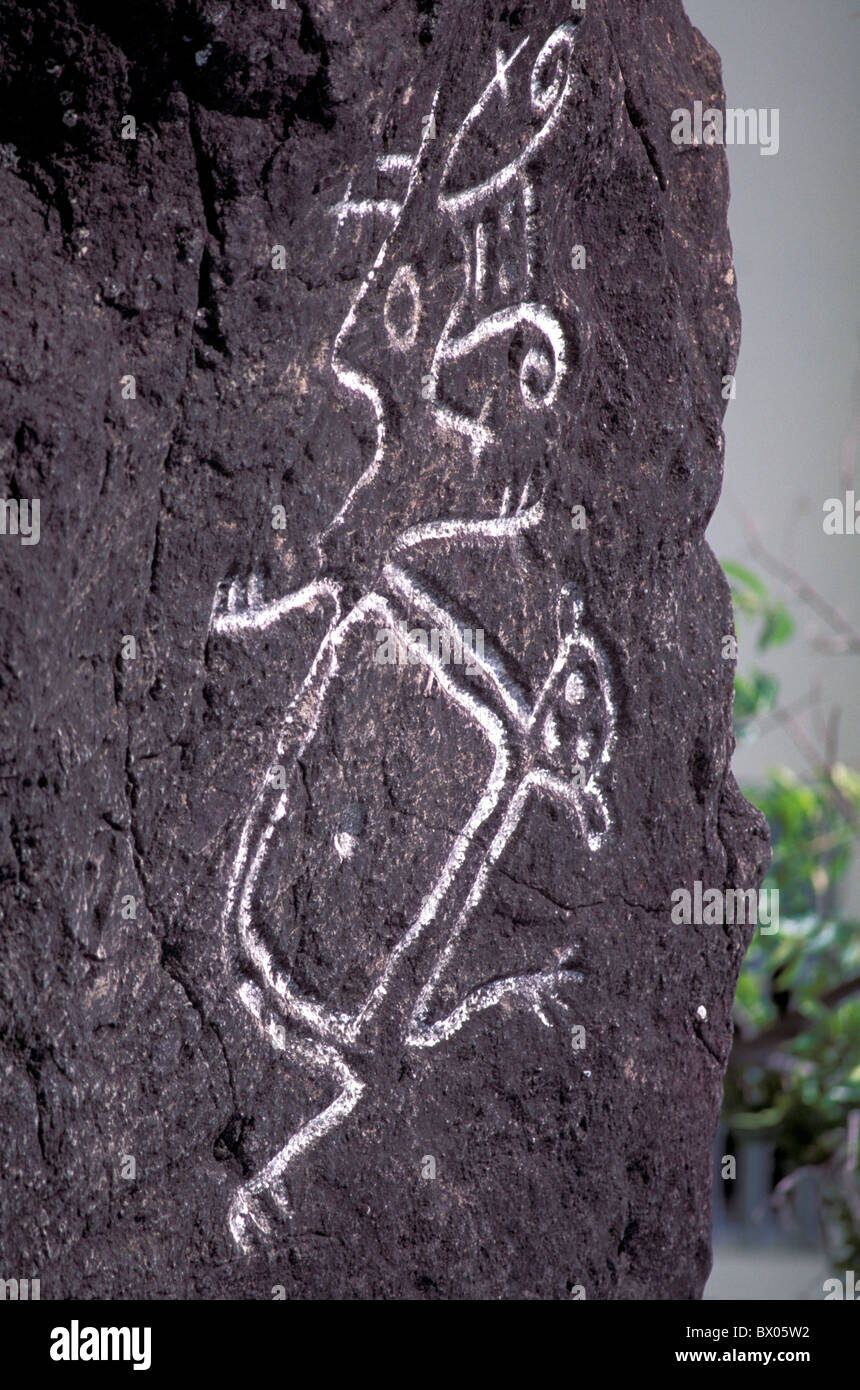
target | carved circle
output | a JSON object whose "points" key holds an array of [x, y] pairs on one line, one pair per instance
{"points": [[550, 71], [405, 278]]}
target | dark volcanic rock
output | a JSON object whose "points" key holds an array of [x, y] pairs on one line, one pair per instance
{"points": [[310, 355]]}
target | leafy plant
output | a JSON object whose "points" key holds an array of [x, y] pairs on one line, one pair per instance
{"points": [[794, 1073], [756, 693]]}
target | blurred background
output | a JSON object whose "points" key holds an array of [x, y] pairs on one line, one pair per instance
{"points": [[786, 1162]]}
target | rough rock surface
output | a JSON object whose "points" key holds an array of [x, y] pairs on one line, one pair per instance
{"points": [[439, 937]]}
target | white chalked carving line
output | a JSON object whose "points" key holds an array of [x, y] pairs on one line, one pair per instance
{"points": [[530, 757], [547, 364], [543, 367], [349, 377], [403, 341], [269, 995]]}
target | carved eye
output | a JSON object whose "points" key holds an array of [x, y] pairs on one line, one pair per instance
{"points": [[574, 689], [401, 312]]}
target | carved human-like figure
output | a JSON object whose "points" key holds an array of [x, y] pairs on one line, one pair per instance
{"points": [[550, 742]]}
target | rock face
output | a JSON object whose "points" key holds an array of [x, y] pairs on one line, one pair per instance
{"points": [[364, 699]]}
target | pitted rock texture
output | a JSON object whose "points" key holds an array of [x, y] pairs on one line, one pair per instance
{"points": [[367, 965]]}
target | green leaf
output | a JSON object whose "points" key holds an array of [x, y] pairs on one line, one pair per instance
{"points": [[745, 577], [754, 696], [778, 628]]}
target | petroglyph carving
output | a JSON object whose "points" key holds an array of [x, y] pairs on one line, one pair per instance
{"points": [[551, 743]]}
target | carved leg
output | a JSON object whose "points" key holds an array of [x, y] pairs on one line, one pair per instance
{"points": [[248, 1208]]}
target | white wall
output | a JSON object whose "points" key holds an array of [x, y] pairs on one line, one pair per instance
{"points": [[793, 428]]}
